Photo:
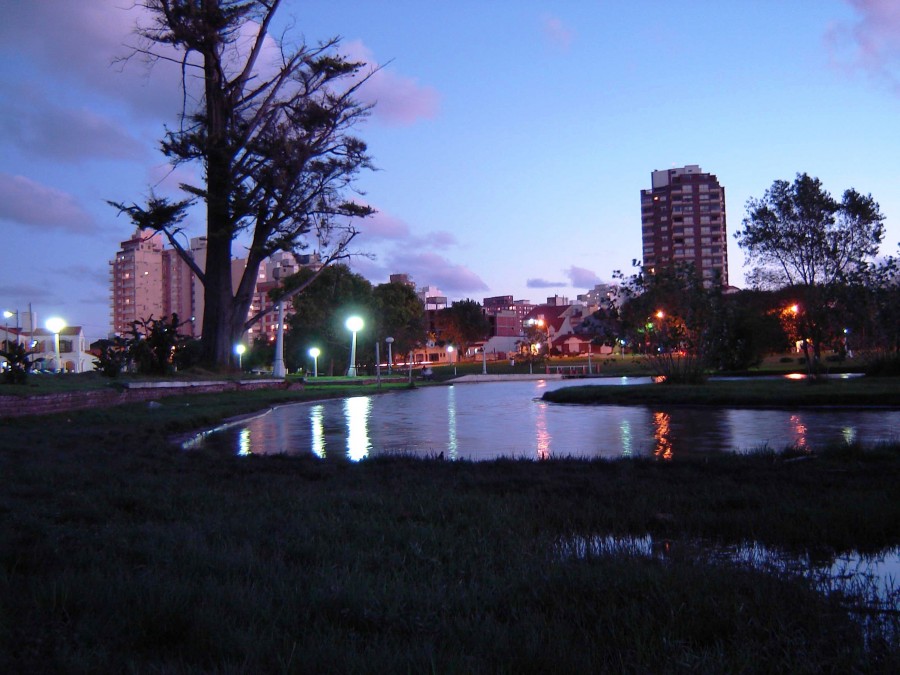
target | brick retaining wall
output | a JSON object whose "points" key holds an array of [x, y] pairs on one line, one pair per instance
{"points": [[17, 406]]}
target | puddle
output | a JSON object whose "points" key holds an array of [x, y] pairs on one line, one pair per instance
{"points": [[868, 585]]}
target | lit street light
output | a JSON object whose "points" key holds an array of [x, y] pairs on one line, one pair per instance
{"points": [[389, 341], [55, 326], [314, 353], [450, 358], [7, 314], [239, 350], [354, 324]]}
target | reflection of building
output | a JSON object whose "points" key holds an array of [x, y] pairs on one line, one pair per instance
{"points": [[683, 221]]}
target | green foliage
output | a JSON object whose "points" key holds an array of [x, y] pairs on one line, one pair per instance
{"points": [[799, 236], [153, 344], [320, 313], [399, 314], [19, 362], [463, 323], [113, 357], [669, 316]]}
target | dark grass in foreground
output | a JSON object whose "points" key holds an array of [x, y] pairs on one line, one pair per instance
{"points": [[747, 393], [119, 553]]}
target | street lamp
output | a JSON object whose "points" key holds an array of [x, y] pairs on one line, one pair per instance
{"points": [[55, 326], [450, 358], [354, 324], [389, 341], [7, 314], [239, 350], [314, 353]]}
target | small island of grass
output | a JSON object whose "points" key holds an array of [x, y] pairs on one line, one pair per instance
{"points": [[759, 392]]}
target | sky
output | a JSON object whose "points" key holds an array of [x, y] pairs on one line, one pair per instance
{"points": [[511, 138]]}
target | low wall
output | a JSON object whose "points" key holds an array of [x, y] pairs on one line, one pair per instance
{"points": [[135, 392]]}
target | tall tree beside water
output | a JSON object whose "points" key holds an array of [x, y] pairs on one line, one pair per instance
{"points": [[269, 126]]}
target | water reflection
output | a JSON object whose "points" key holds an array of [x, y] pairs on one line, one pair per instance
{"points": [[869, 585], [452, 447], [661, 432], [244, 442], [487, 421], [356, 412], [625, 434], [317, 429]]}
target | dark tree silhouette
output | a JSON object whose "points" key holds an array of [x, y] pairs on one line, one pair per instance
{"points": [[271, 131]]}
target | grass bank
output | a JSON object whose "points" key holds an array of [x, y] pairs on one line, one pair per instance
{"points": [[747, 393], [119, 553]]}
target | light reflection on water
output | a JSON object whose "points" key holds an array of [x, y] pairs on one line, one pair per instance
{"points": [[863, 581], [486, 421]]}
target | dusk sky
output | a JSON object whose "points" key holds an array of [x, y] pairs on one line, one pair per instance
{"points": [[512, 137]]}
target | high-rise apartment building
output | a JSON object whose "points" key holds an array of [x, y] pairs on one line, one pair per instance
{"points": [[146, 281], [683, 221], [149, 280]]}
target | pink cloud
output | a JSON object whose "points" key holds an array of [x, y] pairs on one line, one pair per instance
{"points": [[872, 43], [25, 202], [582, 278], [383, 226], [399, 100], [428, 268], [39, 125], [557, 32], [80, 41]]}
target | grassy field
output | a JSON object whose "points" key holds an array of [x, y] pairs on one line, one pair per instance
{"points": [[119, 553]]}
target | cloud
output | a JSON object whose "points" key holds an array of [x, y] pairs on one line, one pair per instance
{"points": [[557, 33], [543, 283], [871, 44], [383, 226], [40, 126], [399, 100], [582, 278], [82, 42], [31, 204], [91, 274], [436, 270], [37, 293]]}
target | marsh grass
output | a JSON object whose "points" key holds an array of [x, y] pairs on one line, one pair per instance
{"points": [[119, 553]]}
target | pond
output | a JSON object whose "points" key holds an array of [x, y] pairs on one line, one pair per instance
{"points": [[508, 419]]}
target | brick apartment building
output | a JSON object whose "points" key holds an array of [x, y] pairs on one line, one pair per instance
{"points": [[683, 221]]}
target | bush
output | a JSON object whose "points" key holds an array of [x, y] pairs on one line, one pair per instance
{"points": [[887, 365]]}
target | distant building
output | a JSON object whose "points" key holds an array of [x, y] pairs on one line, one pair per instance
{"points": [[432, 298], [150, 280], [402, 279], [683, 221]]}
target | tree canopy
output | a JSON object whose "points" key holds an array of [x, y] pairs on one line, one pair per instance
{"points": [[797, 235], [271, 132]]}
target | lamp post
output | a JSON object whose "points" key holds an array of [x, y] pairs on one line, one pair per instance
{"points": [[314, 353], [354, 324], [55, 326], [7, 314], [450, 358], [484, 360], [389, 341], [278, 369], [239, 350]]}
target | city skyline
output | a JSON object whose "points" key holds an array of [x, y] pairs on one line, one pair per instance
{"points": [[511, 166]]}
